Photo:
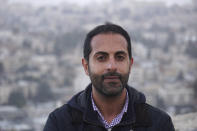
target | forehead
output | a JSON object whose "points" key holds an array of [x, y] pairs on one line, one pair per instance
{"points": [[109, 42]]}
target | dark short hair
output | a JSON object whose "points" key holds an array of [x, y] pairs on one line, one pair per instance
{"points": [[101, 29]]}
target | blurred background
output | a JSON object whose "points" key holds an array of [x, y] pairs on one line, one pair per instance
{"points": [[41, 49]]}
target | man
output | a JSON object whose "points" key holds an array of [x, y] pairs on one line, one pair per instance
{"points": [[108, 103]]}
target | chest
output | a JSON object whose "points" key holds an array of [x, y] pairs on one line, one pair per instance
{"points": [[118, 128]]}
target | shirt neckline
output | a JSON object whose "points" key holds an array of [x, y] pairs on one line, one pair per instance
{"points": [[117, 119]]}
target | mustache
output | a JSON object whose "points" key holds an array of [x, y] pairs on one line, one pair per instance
{"points": [[111, 74]]}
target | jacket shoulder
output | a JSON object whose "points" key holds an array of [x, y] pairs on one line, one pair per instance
{"points": [[159, 118], [58, 119], [156, 113], [61, 111]]}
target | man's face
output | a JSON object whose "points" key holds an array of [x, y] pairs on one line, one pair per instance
{"points": [[109, 64]]}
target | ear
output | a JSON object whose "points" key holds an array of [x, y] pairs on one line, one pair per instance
{"points": [[131, 62], [85, 66]]}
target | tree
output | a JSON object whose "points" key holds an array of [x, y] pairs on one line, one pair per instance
{"points": [[27, 43], [17, 98], [1, 68], [43, 93], [194, 86], [66, 42], [191, 49]]}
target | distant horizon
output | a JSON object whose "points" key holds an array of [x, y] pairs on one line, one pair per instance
{"points": [[86, 2]]}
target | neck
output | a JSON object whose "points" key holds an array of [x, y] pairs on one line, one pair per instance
{"points": [[109, 107]]}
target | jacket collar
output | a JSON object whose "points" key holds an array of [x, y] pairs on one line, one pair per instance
{"points": [[136, 115]]}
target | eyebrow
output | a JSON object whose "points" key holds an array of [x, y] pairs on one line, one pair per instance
{"points": [[105, 53], [101, 53], [120, 53]]}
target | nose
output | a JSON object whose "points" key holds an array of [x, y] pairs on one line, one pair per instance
{"points": [[112, 65]]}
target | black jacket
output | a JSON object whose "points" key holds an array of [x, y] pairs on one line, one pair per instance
{"points": [[78, 115]]}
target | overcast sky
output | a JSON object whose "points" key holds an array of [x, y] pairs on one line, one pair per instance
{"points": [[84, 2]]}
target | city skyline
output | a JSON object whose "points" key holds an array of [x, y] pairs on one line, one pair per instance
{"points": [[85, 2]]}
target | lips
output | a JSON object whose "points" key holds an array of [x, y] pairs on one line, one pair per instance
{"points": [[111, 77], [114, 79]]}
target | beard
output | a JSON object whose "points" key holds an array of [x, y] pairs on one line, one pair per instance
{"points": [[109, 88]]}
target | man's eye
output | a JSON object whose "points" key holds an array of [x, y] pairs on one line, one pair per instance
{"points": [[101, 58], [120, 58]]}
